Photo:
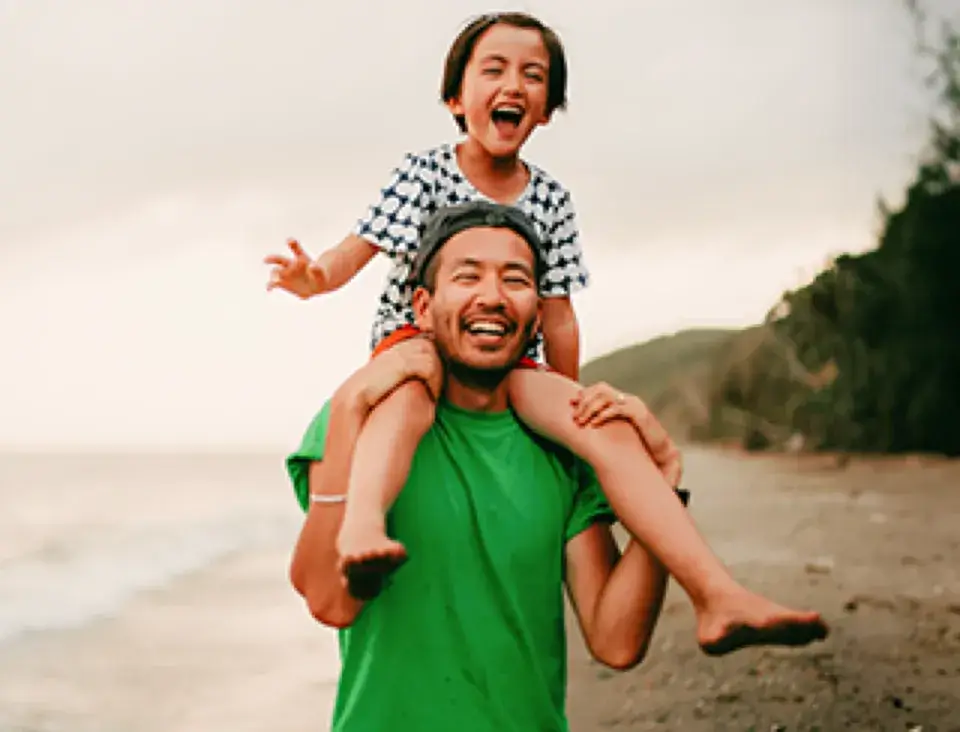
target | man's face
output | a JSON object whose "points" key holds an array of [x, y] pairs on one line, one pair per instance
{"points": [[485, 306]]}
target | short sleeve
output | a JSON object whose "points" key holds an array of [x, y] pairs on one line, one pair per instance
{"points": [[393, 222], [589, 504], [310, 450], [566, 271]]}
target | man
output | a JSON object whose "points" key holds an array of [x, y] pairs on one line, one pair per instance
{"points": [[470, 634]]}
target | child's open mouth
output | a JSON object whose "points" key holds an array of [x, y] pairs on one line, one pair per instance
{"points": [[507, 118]]}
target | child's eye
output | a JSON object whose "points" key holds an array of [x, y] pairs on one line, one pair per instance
{"points": [[535, 76], [491, 71]]}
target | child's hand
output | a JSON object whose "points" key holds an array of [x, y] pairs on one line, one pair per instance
{"points": [[600, 403], [298, 275]]}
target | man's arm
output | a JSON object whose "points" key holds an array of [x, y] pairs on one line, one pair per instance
{"points": [[617, 598], [561, 336], [314, 569]]}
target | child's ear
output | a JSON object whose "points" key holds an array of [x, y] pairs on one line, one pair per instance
{"points": [[455, 107], [422, 312]]}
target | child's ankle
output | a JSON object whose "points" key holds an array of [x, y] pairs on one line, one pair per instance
{"points": [[712, 591]]}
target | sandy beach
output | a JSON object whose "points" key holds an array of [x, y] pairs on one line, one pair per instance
{"points": [[874, 546]]}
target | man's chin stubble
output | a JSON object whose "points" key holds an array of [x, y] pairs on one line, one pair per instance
{"points": [[478, 377]]}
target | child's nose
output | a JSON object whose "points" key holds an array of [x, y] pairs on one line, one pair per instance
{"points": [[512, 81]]}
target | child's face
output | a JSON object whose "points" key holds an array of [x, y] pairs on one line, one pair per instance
{"points": [[504, 92]]}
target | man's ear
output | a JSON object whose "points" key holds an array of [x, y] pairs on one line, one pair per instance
{"points": [[422, 312]]}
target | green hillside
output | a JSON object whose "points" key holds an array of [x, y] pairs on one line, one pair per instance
{"points": [[865, 358], [670, 373]]}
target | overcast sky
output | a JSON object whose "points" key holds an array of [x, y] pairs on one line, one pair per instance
{"points": [[152, 153]]}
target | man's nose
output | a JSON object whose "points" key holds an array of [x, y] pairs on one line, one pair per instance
{"points": [[489, 292]]}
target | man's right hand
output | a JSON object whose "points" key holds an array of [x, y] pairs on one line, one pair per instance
{"points": [[299, 275], [409, 360]]}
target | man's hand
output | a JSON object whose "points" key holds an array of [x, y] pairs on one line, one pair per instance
{"points": [[412, 359], [600, 403], [299, 275]]}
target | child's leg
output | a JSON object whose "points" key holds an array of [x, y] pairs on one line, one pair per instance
{"points": [[729, 616], [381, 463]]}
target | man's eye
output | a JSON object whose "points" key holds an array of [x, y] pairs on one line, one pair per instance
{"points": [[520, 281]]}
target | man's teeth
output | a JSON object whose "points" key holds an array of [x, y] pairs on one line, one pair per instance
{"points": [[487, 328]]}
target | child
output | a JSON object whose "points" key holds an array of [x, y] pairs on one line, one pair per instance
{"points": [[505, 75]]}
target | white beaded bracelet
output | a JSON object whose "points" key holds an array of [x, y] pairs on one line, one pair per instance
{"points": [[320, 498]]}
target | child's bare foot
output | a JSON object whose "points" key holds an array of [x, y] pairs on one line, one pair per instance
{"points": [[741, 619], [367, 557]]}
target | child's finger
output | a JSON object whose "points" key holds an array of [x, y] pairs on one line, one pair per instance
{"points": [[296, 249], [274, 282], [278, 260], [609, 412]]}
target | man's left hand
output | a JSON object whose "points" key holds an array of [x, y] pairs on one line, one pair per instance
{"points": [[600, 403]]}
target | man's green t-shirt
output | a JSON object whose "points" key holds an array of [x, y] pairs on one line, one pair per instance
{"points": [[469, 634]]}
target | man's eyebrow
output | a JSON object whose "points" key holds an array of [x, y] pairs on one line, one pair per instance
{"points": [[513, 265], [519, 267]]}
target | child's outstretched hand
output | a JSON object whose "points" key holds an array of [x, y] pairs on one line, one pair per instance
{"points": [[299, 275]]}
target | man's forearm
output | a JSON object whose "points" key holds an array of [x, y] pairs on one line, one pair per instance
{"points": [[628, 607], [314, 569]]}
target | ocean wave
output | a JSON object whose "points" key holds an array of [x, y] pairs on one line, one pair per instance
{"points": [[69, 588]]}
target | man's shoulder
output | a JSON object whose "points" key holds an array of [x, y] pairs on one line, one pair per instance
{"points": [[310, 450]]}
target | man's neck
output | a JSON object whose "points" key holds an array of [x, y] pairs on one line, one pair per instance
{"points": [[477, 397]]}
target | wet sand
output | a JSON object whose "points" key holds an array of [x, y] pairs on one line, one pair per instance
{"points": [[874, 546], [228, 649]]}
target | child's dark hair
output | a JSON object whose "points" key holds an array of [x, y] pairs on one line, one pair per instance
{"points": [[462, 49]]}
